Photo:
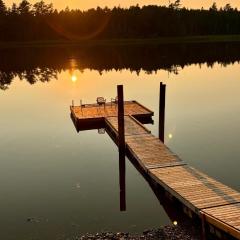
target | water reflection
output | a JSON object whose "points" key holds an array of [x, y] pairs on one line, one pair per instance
{"points": [[44, 64], [74, 78], [122, 181], [31, 76]]}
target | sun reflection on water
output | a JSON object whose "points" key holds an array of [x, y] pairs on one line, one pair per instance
{"points": [[74, 78]]}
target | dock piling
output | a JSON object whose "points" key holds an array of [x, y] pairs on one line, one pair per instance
{"points": [[121, 135], [121, 146], [203, 221], [162, 111]]}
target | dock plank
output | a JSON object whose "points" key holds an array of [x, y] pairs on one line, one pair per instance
{"points": [[195, 187]]}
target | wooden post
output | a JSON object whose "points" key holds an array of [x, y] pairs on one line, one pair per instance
{"points": [[121, 135], [162, 110], [121, 147], [203, 226]]}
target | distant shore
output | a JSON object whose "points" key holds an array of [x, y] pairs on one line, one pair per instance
{"points": [[124, 42]]}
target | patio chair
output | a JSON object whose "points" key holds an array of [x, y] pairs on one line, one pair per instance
{"points": [[101, 101], [114, 100]]}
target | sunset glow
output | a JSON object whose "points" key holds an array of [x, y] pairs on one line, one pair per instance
{"points": [[60, 4]]}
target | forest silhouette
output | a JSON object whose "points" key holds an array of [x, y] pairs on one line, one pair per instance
{"points": [[41, 22]]}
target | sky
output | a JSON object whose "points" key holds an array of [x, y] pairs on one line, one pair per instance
{"points": [[86, 4]]}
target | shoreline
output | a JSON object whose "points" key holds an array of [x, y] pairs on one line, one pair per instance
{"points": [[170, 232], [124, 42]]}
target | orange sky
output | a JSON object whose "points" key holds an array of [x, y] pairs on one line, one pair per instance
{"points": [[85, 4]]}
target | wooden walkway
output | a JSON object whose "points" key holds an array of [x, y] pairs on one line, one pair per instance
{"points": [[211, 200]]}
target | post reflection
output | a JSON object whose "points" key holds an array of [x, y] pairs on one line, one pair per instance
{"points": [[122, 181]]}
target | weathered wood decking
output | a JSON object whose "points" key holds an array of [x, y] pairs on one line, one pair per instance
{"points": [[94, 111], [218, 204], [91, 116]]}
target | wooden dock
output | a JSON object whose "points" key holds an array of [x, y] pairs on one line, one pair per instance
{"points": [[91, 116], [215, 203]]}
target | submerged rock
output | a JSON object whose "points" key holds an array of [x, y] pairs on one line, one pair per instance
{"points": [[32, 220]]}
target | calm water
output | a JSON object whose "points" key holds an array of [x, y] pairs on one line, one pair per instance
{"points": [[68, 182]]}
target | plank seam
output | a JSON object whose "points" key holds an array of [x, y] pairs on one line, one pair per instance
{"points": [[222, 205], [165, 166]]}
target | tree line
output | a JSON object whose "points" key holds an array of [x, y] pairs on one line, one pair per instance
{"points": [[40, 21]]}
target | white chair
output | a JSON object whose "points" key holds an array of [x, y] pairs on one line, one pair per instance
{"points": [[114, 101]]}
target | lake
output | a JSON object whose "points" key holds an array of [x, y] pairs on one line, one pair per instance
{"points": [[56, 183]]}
